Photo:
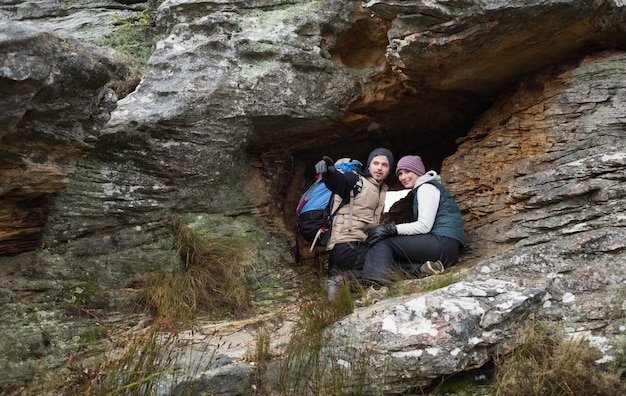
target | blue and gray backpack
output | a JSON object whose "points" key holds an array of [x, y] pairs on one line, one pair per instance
{"points": [[313, 213]]}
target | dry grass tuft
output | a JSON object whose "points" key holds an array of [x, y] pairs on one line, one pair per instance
{"points": [[546, 364], [212, 278]]}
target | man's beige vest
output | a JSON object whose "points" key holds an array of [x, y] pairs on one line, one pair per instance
{"points": [[353, 221]]}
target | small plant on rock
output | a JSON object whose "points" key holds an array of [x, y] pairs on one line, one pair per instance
{"points": [[135, 37]]}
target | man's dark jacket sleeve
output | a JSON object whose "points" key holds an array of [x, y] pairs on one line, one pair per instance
{"points": [[340, 183]]}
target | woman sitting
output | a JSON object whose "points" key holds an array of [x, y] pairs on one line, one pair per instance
{"points": [[426, 246]]}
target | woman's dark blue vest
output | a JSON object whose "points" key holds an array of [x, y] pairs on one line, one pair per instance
{"points": [[448, 221]]}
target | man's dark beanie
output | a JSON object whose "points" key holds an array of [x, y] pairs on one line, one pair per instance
{"points": [[380, 151]]}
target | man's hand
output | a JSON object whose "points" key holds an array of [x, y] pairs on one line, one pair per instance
{"points": [[381, 232], [325, 165]]}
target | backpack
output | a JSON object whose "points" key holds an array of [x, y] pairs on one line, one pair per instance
{"points": [[313, 213]]}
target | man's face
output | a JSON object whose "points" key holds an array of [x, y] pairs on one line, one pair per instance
{"points": [[379, 168]]}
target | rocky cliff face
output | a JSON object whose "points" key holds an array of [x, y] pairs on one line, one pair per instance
{"points": [[518, 104], [55, 101]]}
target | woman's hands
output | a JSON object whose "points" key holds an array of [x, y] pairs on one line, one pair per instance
{"points": [[381, 232]]}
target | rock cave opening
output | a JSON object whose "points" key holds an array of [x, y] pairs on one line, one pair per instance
{"points": [[430, 126]]}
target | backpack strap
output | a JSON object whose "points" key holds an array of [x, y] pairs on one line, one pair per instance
{"points": [[350, 210], [307, 194], [355, 190], [317, 236]]}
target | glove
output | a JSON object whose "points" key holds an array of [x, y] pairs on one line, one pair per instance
{"points": [[381, 232], [325, 165]]}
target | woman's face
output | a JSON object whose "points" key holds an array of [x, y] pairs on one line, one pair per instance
{"points": [[407, 178]]}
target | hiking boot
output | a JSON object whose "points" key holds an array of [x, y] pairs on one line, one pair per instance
{"points": [[333, 286], [373, 295], [432, 268]]}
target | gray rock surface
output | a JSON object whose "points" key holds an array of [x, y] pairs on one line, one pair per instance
{"points": [[408, 341]]}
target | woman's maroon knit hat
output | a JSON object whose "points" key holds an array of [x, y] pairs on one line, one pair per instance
{"points": [[411, 163]]}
